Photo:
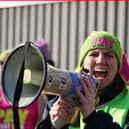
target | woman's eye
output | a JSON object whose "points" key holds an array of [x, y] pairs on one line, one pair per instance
{"points": [[109, 55], [94, 54]]}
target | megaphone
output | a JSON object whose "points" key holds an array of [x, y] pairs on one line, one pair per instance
{"points": [[38, 76]]}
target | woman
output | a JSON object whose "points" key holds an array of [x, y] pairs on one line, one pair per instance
{"points": [[101, 57]]}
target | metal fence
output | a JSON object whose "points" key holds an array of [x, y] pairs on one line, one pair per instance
{"points": [[64, 25]]}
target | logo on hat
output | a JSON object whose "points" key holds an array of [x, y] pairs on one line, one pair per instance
{"points": [[107, 43]]}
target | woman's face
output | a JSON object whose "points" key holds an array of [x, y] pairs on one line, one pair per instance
{"points": [[102, 64]]}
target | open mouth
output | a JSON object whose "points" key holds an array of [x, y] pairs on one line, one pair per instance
{"points": [[100, 73]]}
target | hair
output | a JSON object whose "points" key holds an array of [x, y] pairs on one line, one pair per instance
{"points": [[112, 90], [51, 62]]}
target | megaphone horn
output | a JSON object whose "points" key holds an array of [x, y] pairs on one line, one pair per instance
{"points": [[38, 77]]}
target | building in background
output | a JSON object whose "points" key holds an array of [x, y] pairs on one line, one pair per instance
{"points": [[64, 25]]}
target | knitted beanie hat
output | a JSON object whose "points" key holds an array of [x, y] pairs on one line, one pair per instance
{"points": [[43, 45], [101, 39], [4, 55], [124, 71]]}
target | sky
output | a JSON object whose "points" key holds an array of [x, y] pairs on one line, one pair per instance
{"points": [[4, 4]]}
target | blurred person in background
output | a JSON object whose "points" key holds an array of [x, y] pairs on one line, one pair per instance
{"points": [[48, 59]]}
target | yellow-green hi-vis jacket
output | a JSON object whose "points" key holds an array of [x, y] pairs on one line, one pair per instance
{"points": [[117, 108]]}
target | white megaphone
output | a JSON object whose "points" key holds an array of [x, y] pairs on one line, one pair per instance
{"points": [[26, 66]]}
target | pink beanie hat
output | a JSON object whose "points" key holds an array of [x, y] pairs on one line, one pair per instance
{"points": [[43, 46], [124, 71]]}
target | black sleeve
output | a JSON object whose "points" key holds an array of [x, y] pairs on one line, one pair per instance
{"points": [[45, 123], [100, 120]]}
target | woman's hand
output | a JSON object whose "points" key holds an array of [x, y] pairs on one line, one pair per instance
{"points": [[87, 98], [61, 113]]}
